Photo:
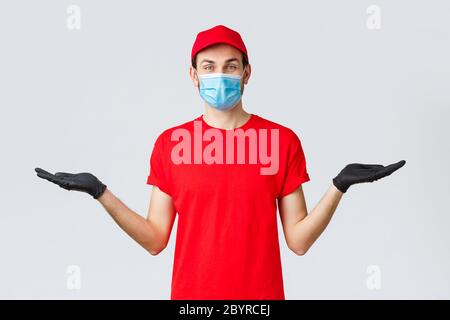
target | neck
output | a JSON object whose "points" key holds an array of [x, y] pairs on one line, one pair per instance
{"points": [[227, 120]]}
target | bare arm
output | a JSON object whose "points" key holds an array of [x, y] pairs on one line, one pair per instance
{"points": [[301, 229], [152, 233]]}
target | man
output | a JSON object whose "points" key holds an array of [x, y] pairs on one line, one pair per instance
{"points": [[225, 173]]}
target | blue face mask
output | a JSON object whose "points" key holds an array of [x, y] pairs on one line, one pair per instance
{"points": [[219, 90]]}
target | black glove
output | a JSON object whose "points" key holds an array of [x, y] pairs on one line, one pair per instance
{"points": [[85, 181], [358, 172]]}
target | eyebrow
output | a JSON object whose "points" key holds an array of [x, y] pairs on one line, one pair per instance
{"points": [[207, 60], [232, 60], [212, 61]]}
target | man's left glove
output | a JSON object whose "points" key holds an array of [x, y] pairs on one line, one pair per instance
{"points": [[360, 172], [85, 182]]}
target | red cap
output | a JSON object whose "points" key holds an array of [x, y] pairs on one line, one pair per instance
{"points": [[218, 34]]}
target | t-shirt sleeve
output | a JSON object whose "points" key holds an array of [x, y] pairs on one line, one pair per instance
{"points": [[296, 172], [159, 167]]}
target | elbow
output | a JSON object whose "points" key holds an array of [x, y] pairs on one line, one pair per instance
{"points": [[154, 251], [299, 250], [155, 244]]}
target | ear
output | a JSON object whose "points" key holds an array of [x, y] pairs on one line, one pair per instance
{"points": [[248, 72], [194, 76]]}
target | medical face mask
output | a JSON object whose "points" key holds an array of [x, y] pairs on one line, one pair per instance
{"points": [[221, 91]]}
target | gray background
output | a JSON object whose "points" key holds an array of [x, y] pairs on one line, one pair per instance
{"points": [[95, 100]]}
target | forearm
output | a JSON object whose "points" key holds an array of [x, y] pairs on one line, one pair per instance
{"points": [[307, 230], [136, 226]]}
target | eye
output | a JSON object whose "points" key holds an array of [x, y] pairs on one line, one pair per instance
{"points": [[232, 67], [208, 67]]}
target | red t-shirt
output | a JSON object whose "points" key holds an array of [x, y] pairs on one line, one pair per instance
{"points": [[227, 238]]}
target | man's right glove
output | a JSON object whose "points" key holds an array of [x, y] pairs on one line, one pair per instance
{"points": [[85, 181], [359, 172]]}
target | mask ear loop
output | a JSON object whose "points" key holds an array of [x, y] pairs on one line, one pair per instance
{"points": [[242, 75], [198, 79], [242, 78]]}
